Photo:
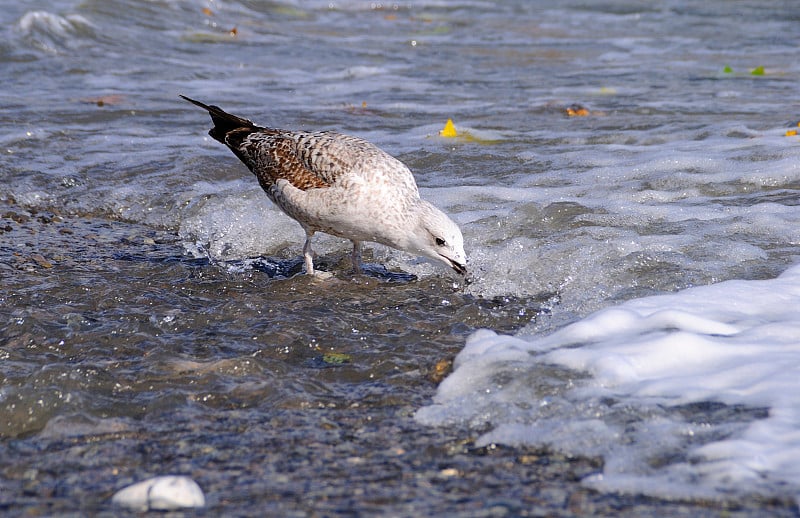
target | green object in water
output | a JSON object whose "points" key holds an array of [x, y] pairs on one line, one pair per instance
{"points": [[336, 358]]}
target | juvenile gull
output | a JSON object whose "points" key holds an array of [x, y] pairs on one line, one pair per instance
{"points": [[340, 185]]}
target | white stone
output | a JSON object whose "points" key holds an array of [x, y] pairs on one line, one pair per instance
{"points": [[163, 493]]}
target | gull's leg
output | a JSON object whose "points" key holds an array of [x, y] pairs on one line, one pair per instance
{"points": [[356, 257], [308, 254]]}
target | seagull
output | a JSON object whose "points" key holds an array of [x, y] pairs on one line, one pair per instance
{"points": [[340, 185]]}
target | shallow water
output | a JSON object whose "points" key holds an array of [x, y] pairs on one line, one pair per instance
{"points": [[151, 321]]}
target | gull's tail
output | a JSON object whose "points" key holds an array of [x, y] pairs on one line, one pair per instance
{"points": [[223, 121]]}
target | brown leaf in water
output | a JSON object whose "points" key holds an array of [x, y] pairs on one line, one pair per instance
{"points": [[103, 100]]}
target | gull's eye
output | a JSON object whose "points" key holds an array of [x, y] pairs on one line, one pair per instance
{"points": [[440, 241]]}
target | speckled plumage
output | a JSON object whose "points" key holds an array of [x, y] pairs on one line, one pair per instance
{"points": [[341, 185]]}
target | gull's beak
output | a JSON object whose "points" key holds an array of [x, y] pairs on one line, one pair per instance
{"points": [[458, 267]]}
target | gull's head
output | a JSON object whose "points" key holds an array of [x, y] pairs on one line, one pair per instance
{"points": [[437, 237]]}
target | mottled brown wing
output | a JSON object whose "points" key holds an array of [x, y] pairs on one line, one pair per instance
{"points": [[272, 155], [306, 160], [329, 155]]}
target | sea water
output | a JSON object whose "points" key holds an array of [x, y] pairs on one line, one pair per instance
{"points": [[625, 175]]}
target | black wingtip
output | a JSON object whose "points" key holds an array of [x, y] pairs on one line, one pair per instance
{"points": [[198, 103], [187, 98], [223, 121]]}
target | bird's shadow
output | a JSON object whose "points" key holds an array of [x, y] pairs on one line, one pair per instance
{"points": [[276, 268], [287, 268]]}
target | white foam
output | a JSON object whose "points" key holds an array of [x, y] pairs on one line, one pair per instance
{"points": [[677, 205], [231, 226], [734, 343], [52, 32]]}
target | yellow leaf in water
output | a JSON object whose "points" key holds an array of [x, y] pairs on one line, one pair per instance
{"points": [[441, 370], [576, 110], [449, 129], [791, 133]]}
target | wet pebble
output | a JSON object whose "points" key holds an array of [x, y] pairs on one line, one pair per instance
{"points": [[163, 493], [41, 261]]}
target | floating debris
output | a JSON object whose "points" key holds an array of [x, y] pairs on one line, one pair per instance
{"points": [[104, 100], [485, 137], [758, 71], [576, 110], [441, 370], [449, 129], [335, 358]]}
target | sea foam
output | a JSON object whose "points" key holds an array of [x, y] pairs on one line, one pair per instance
{"points": [[687, 394]]}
